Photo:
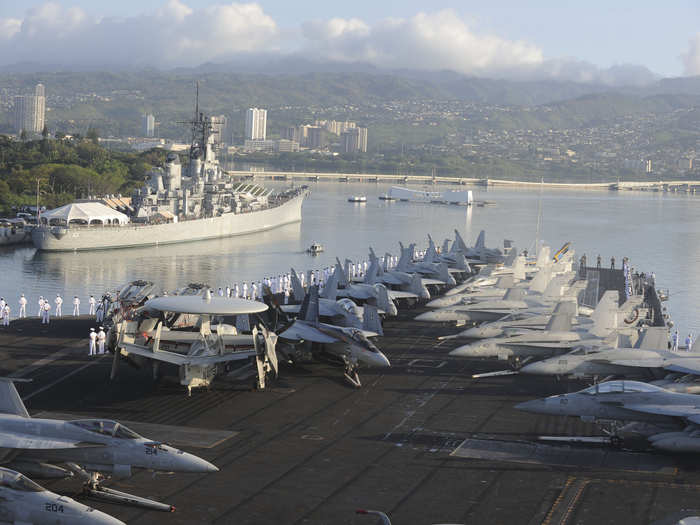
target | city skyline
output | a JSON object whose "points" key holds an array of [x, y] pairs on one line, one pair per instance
{"points": [[627, 42]]}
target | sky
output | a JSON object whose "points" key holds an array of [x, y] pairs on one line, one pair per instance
{"points": [[583, 41]]}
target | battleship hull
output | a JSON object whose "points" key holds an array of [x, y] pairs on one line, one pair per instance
{"points": [[58, 238]]}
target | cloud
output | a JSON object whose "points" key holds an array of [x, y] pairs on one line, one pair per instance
{"points": [[172, 35], [439, 40], [691, 58]]}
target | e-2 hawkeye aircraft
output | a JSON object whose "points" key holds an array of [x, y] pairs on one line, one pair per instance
{"points": [[178, 330], [88, 448]]}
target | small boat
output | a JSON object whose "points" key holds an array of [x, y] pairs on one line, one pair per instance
{"points": [[386, 197], [314, 249], [357, 198]]}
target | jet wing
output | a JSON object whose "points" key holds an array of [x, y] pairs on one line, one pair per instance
{"points": [[648, 362], [299, 331], [684, 365], [182, 359], [10, 402], [355, 293], [15, 440], [324, 309], [437, 282]]}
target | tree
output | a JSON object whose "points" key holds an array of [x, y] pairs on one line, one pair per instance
{"points": [[93, 135], [23, 135], [45, 132]]}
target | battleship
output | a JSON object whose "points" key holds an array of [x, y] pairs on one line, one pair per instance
{"points": [[175, 205]]}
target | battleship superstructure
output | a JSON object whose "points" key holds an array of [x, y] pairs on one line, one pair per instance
{"points": [[179, 205]]}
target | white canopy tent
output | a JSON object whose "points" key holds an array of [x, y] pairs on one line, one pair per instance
{"points": [[93, 213]]}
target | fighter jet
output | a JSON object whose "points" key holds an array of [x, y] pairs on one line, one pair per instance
{"points": [[479, 252], [542, 296], [439, 270], [557, 337], [412, 283], [343, 312], [350, 345], [648, 359], [89, 448], [669, 420], [163, 332], [23, 501]]}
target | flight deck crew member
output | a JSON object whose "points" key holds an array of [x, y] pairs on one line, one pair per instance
{"points": [[245, 290], [41, 306], [92, 303], [101, 337], [76, 305], [6, 315], [689, 342], [674, 340], [45, 312], [612, 262], [221, 291], [22, 306], [254, 291], [100, 313], [59, 305], [598, 261], [236, 291], [93, 340]]}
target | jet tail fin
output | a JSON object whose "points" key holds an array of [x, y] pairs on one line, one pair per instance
{"points": [[297, 289], [543, 257], [480, 240], [653, 338], [446, 246], [416, 287], [559, 323], [309, 308], [519, 268], [371, 321], [510, 259], [461, 263], [403, 260], [540, 281], [10, 402], [444, 274], [343, 272], [604, 315], [430, 254], [566, 307], [330, 290], [371, 275], [459, 243], [504, 282]]}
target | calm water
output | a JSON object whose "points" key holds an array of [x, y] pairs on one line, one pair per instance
{"points": [[659, 232]]}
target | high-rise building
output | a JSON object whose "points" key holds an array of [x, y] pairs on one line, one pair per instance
{"points": [[291, 133], [354, 140], [221, 130], [647, 166], [256, 124], [316, 139], [30, 111], [149, 125]]}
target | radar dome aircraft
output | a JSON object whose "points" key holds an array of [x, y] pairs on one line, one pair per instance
{"points": [[89, 448], [162, 332]]}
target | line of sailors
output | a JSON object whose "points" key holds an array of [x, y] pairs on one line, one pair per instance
{"points": [[96, 308], [675, 340], [282, 284]]}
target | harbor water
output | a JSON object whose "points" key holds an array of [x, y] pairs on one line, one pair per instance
{"points": [[658, 231]]}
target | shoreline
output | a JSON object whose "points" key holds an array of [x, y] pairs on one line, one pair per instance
{"points": [[306, 176]]}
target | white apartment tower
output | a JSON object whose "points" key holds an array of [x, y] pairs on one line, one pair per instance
{"points": [[30, 111], [149, 125], [256, 124]]}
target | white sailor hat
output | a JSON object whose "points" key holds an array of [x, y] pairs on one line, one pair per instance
{"points": [[102, 328], [92, 329]]}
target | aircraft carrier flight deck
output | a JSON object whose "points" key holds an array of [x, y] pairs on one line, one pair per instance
{"points": [[422, 440]]}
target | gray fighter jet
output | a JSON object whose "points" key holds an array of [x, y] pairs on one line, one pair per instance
{"points": [[435, 270], [89, 448], [349, 345], [411, 283], [23, 501], [178, 330], [669, 420]]}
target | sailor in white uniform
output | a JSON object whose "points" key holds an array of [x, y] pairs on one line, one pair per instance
{"points": [[59, 305], [22, 306], [6, 315], [101, 337], [236, 291], [221, 291], [93, 340], [245, 290], [76, 305], [41, 306], [92, 303]]}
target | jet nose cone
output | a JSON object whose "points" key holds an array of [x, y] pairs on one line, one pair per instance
{"points": [[426, 316], [382, 361], [534, 368], [191, 463], [534, 405], [462, 351]]}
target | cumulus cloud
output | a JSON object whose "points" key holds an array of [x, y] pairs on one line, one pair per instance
{"points": [[691, 58], [172, 35], [439, 40]]}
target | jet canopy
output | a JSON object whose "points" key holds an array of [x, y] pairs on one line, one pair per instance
{"points": [[619, 386], [10, 479], [106, 427]]}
